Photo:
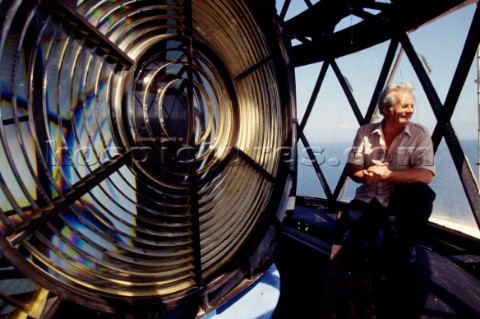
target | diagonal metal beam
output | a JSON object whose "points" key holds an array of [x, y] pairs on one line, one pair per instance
{"points": [[86, 31], [318, 170], [313, 97], [466, 58], [348, 93], [59, 204], [382, 79], [254, 164], [443, 113]]}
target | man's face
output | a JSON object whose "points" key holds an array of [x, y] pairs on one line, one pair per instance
{"points": [[401, 113]]}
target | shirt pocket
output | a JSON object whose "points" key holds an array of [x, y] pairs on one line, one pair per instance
{"points": [[402, 158]]}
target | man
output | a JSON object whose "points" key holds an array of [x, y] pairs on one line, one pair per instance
{"points": [[393, 160]]}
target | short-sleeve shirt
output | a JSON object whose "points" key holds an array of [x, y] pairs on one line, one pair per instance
{"points": [[411, 148]]}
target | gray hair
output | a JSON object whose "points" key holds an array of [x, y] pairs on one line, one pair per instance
{"points": [[388, 96]]}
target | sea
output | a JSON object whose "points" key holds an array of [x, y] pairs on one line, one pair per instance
{"points": [[451, 207]]}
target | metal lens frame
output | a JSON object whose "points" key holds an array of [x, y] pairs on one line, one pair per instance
{"points": [[147, 147]]}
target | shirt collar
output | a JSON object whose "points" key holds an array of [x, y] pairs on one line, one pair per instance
{"points": [[378, 129]]}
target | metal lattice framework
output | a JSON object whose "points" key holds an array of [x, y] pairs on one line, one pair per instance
{"points": [[381, 21]]}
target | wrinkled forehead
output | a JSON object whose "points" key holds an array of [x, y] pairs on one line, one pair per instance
{"points": [[405, 98]]}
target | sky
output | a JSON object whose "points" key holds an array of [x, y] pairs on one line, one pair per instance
{"points": [[439, 43]]}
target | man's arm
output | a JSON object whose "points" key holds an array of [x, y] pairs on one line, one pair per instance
{"points": [[411, 175], [381, 173], [356, 172]]}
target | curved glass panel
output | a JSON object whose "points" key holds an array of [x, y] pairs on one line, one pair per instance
{"points": [[143, 144]]}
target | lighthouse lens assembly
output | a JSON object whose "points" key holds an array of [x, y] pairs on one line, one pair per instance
{"points": [[146, 147]]}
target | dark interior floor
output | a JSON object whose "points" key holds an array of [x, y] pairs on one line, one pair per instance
{"points": [[303, 272], [440, 286]]}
